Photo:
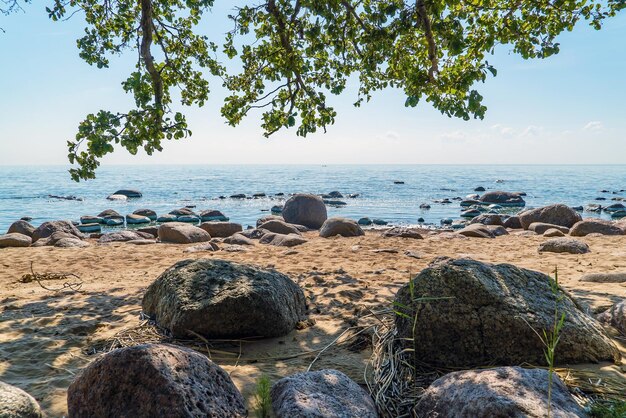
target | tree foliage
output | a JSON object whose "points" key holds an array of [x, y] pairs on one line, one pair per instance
{"points": [[295, 54]]}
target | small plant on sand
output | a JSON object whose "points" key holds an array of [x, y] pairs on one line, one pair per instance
{"points": [[262, 398]]}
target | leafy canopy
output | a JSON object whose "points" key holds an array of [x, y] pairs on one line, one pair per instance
{"points": [[294, 54]]}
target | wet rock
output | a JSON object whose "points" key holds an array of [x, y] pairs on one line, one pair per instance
{"points": [[425, 206], [500, 392], [46, 229], [558, 214], [490, 316], [365, 222], [133, 219], [21, 227], [15, 403], [398, 182], [564, 245], [379, 222], [340, 226], [238, 196], [213, 215], [595, 226], [479, 189], [224, 299], [503, 198], [305, 209], [167, 218], [335, 203], [321, 394], [129, 193], [221, 229], [109, 213], [181, 233], [277, 209], [117, 197], [15, 240], [92, 220], [148, 213], [190, 219], [183, 212], [88, 228], [152, 380]]}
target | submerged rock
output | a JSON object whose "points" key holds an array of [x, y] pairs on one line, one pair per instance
{"points": [[15, 403], [500, 392], [305, 209], [503, 198], [129, 193], [153, 380], [213, 215], [487, 314], [224, 299], [321, 394]]}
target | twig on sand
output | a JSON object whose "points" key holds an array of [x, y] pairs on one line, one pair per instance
{"points": [[39, 277]]}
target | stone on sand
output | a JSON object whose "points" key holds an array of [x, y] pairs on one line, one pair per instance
{"points": [[21, 227], [219, 229], [557, 214], [564, 245], [181, 233], [340, 226], [15, 403]]}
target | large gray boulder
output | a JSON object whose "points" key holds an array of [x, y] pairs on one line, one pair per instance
{"points": [[15, 403], [181, 233], [15, 240], [48, 228], [279, 226], [502, 392], [321, 394], [595, 226], [154, 380], [224, 299], [21, 227], [220, 229], [557, 214], [564, 245], [340, 226], [305, 209], [487, 314], [503, 199]]}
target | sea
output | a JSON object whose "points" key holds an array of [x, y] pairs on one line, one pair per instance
{"points": [[27, 190]]}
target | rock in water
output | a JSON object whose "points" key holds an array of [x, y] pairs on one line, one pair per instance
{"points": [[129, 193], [305, 209], [340, 226], [15, 240], [564, 245], [109, 213], [48, 228], [224, 299], [557, 214], [321, 394], [21, 227], [488, 316], [595, 226], [181, 233], [503, 198], [15, 403], [117, 197], [148, 213], [213, 215], [154, 380], [497, 393], [220, 229]]}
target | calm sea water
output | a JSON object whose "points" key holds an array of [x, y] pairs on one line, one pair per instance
{"points": [[24, 190]]}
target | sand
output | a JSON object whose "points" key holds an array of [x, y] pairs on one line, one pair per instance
{"points": [[47, 337]]}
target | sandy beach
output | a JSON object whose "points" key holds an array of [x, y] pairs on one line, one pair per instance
{"points": [[48, 336]]}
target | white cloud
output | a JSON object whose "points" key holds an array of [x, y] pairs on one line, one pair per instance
{"points": [[531, 131], [594, 126], [503, 130]]}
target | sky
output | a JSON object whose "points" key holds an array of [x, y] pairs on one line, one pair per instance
{"points": [[567, 109]]}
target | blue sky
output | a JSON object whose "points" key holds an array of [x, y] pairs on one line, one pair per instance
{"points": [[568, 109]]}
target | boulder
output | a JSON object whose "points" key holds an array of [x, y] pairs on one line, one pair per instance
{"points": [[182, 212], [305, 209], [153, 231], [497, 230], [476, 231], [553, 233], [129, 193], [254, 233], [123, 236], [401, 232], [118, 197], [320, 394], [53, 239], [48, 228], [71, 243], [365, 222], [238, 239], [221, 229], [181, 233], [487, 314], [615, 316], [21, 227], [87, 228], [91, 220], [224, 299], [500, 392], [558, 214], [167, 218], [340, 226], [282, 240], [191, 219], [379, 222], [277, 209], [564, 245], [595, 226], [213, 215], [153, 380], [470, 213], [15, 240], [109, 213], [541, 227], [15, 403], [512, 222], [148, 213], [488, 219], [503, 198], [279, 226], [604, 278], [114, 221]]}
